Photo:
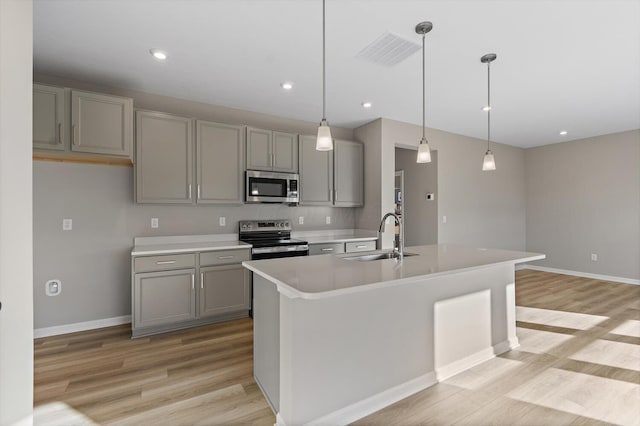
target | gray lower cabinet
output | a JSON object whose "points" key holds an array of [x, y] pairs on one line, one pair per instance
{"points": [[174, 291], [326, 248], [272, 151], [164, 158], [223, 289], [50, 127], [316, 173], [220, 159], [101, 124], [163, 298], [348, 169]]}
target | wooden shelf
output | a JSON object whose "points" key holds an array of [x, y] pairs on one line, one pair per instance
{"points": [[66, 157]]}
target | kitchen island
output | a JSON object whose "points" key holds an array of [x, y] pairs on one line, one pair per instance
{"points": [[336, 338]]}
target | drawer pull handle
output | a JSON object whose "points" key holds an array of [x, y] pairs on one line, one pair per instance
{"points": [[165, 262], [201, 280], [225, 257], [193, 281], [327, 249], [361, 246]]}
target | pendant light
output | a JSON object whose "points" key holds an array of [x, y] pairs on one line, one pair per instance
{"points": [[489, 162], [424, 153], [324, 141]]}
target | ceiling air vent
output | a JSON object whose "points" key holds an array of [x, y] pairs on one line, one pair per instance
{"points": [[389, 49]]}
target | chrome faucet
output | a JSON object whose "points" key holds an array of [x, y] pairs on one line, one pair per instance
{"points": [[400, 243]]}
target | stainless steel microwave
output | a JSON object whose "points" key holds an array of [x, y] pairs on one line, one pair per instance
{"points": [[271, 187]]}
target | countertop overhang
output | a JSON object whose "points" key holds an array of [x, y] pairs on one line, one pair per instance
{"points": [[316, 277]]}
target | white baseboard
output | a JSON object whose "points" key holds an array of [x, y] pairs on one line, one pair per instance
{"points": [[80, 326], [581, 274], [370, 405], [450, 370]]}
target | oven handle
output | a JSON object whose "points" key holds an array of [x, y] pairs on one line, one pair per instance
{"points": [[279, 249]]}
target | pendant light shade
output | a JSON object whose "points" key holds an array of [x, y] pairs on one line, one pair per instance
{"points": [[424, 152], [324, 141], [489, 162]]}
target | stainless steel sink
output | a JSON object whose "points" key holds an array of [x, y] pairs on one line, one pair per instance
{"points": [[377, 256]]}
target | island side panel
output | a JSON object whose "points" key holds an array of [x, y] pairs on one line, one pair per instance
{"points": [[266, 339], [337, 352], [340, 350]]}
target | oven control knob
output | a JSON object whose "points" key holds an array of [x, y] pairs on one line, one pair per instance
{"points": [[286, 224]]}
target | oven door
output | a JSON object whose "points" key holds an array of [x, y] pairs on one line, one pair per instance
{"points": [[276, 252]]}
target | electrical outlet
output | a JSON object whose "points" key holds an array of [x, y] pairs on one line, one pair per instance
{"points": [[154, 222], [222, 221], [53, 287], [594, 257], [67, 224], [444, 219], [328, 220], [300, 220]]}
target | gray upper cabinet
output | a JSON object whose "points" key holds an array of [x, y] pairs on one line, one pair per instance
{"points": [[316, 173], [348, 174], [164, 158], [272, 151], [101, 124], [50, 127], [220, 158]]}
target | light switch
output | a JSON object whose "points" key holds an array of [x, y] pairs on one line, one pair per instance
{"points": [[67, 224], [222, 221], [594, 257], [444, 219], [300, 220], [328, 220], [53, 287], [154, 222]]}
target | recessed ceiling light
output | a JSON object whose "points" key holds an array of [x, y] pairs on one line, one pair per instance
{"points": [[367, 105], [286, 85], [486, 108], [564, 132], [158, 54]]}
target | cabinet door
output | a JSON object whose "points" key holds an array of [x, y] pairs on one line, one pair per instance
{"points": [[162, 298], [101, 124], [316, 173], [349, 174], [219, 163], [259, 153], [49, 118], [164, 158], [223, 289], [285, 152]]}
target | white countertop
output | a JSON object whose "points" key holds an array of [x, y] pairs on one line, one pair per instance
{"points": [[335, 236], [315, 277], [148, 246]]}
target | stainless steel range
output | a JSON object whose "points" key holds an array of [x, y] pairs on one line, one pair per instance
{"points": [[271, 239]]}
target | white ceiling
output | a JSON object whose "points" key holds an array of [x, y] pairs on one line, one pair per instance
{"points": [[562, 65]]}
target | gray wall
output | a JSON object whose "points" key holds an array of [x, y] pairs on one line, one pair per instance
{"points": [[583, 197], [420, 216], [483, 209], [16, 317], [93, 260]]}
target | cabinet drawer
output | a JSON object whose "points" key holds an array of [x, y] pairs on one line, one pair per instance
{"points": [[360, 246], [326, 248], [224, 257], [164, 262]]}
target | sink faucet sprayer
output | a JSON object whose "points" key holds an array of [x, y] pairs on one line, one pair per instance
{"points": [[400, 243]]}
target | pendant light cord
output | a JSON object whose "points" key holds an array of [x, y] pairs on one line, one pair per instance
{"points": [[488, 103], [424, 113], [324, 83]]}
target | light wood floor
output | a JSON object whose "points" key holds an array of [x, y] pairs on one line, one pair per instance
{"points": [[578, 363]]}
